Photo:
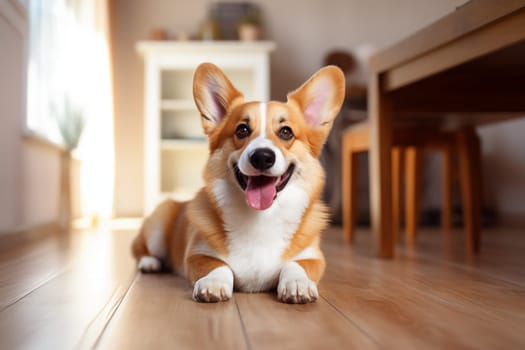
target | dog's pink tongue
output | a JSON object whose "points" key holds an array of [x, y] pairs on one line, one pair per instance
{"points": [[260, 192]]}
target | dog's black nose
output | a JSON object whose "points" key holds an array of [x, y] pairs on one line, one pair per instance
{"points": [[262, 158]]}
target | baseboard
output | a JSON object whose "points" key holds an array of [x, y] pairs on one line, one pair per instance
{"points": [[29, 228], [512, 219], [24, 234]]}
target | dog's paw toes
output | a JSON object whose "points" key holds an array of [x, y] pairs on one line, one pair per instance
{"points": [[149, 264], [212, 290], [297, 291]]}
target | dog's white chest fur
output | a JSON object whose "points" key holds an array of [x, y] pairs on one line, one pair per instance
{"points": [[257, 239]]}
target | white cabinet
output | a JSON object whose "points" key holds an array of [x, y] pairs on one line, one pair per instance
{"points": [[175, 147]]}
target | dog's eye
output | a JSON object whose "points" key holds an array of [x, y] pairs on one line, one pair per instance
{"points": [[242, 131], [285, 133]]}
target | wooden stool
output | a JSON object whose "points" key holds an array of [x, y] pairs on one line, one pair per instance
{"points": [[408, 146]]}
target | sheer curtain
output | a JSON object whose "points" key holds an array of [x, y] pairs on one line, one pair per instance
{"points": [[69, 59]]}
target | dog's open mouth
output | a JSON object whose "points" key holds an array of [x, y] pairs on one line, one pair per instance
{"points": [[260, 191]]}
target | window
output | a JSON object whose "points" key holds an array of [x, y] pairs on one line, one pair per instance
{"points": [[66, 56], [45, 88], [69, 73]]}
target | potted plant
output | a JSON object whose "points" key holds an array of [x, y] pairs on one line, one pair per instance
{"points": [[70, 121], [249, 27]]}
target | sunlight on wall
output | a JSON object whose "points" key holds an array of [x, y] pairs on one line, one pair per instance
{"points": [[96, 149], [86, 70], [70, 64]]}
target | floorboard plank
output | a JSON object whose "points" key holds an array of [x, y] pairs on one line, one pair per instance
{"points": [[425, 303], [25, 267], [467, 288], [271, 324], [158, 313], [57, 314], [82, 290]]}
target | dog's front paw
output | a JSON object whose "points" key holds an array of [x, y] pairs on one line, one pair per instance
{"points": [[215, 286], [149, 264], [294, 285], [297, 291]]}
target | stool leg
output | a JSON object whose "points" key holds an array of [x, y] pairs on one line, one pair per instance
{"points": [[446, 189], [349, 187], [470, 178], [412, 178], [397, 161]]}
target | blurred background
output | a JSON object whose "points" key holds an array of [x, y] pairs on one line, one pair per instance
{"points": [[72, 94]]}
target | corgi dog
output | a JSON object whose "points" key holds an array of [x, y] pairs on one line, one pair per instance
{"points": [[256, 224]]}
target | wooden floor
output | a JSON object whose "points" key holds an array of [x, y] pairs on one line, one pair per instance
{"points": [[81, 291]]}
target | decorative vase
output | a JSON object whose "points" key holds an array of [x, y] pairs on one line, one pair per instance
{"points": [[249, 32], [65, 206]]}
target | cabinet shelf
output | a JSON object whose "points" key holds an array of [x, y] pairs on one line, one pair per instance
{"points": [[184, 144], [177, 104], [180, 194]]}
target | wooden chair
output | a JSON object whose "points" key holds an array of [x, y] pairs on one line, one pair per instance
{"points": [[408, 147]]}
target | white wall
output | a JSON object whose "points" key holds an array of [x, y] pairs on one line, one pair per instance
{"points": [[29, 171], [304, 31], [504, 168], [40, 182], [11, 109]]}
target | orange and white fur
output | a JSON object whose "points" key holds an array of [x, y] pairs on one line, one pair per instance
{"points": [[256, 224]]}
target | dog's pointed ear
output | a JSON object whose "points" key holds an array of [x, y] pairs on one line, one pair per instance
{"points": [[214, 95], [320, 98]]}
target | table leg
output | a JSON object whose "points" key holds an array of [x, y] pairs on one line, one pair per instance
{"points": [[349, 188], [412, 192], [380, 118], [470, 177], [397, 161], [446, 189]]}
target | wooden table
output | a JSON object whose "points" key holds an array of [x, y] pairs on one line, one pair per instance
{"points": [[468, 68]]}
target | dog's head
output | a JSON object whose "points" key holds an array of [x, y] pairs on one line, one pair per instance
{"points": [[263, 148]]}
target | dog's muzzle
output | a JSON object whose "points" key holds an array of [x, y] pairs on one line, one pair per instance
{"points": [[261, 190]]}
